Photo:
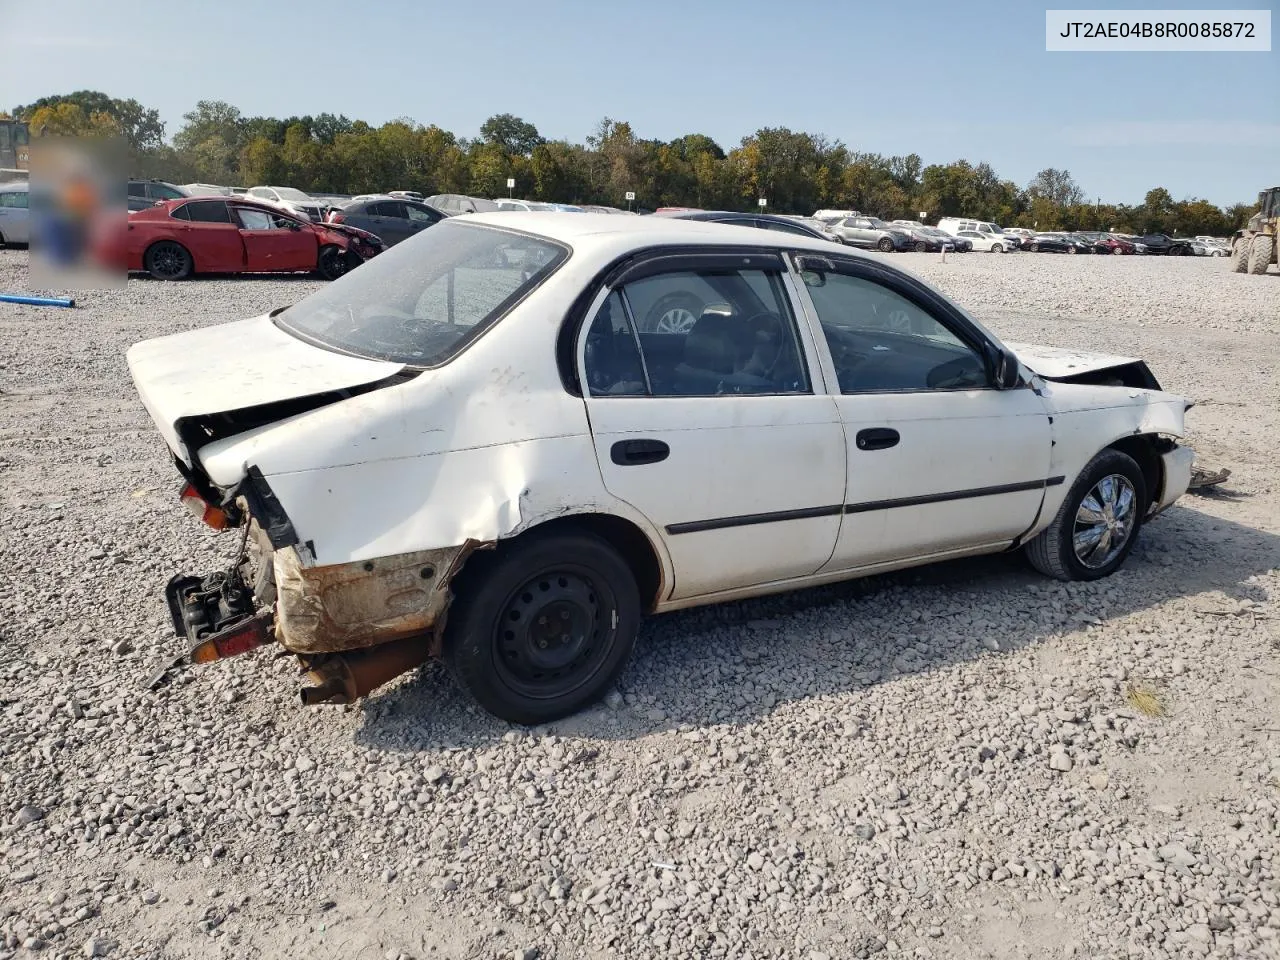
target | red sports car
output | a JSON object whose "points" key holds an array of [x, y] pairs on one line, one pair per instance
{"points": [[1110, 243], [178, 238]]}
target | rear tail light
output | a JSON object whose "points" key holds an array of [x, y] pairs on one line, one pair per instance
{"points": [[215, 517]]}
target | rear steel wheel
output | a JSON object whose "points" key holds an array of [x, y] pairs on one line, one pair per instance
{"points": [[542, 629]]}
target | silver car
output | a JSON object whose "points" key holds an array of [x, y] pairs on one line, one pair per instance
{"points": [[15, 218], [871, 232]]}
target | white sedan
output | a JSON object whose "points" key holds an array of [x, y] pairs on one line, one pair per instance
{"points": [[487, 421]]}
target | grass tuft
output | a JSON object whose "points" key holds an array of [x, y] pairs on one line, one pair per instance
{"points": [[1146, 701]]}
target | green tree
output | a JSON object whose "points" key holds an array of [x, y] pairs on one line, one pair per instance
{"points": [[1057, 186], [511, 134], [141, 128]]}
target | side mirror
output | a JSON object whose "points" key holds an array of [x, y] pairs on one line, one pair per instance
{"points": [[1007, 375], [295, 226]]}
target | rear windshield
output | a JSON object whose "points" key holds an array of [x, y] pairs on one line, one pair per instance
{"points": [[423, 300]]}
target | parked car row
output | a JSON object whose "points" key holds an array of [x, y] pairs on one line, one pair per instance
{"points": [[1155, 244]]}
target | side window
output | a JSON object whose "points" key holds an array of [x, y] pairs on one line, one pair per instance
{"points": [[255, 219], [713, 332], [181, 213], [419, 214], [160, 191], [137, 189], [785, 228], [393, 208], [207, 211], [612, 360], [882, 342], [375, 210]]}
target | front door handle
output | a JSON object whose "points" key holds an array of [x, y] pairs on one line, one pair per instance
{"points": [[877, 438], [634, 453]]}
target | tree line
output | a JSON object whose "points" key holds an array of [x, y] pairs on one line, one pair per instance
{"points": [[795, 172]]}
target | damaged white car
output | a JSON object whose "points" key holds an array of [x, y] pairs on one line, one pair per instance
{"points": [[485, 445]]}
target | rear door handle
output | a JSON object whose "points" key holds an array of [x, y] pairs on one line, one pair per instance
{"points": [[634, 453], [877, 438]]}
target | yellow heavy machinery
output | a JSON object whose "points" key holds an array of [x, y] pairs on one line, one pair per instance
{"points": [[1253, 249]]}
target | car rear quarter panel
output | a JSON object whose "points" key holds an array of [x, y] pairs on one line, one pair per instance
{"points": [[481, 448]]}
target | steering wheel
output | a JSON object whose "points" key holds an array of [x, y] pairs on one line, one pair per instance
{"points": [[766, 328]]}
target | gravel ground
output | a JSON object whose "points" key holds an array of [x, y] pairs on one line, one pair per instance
{"points": [[947, 763]]}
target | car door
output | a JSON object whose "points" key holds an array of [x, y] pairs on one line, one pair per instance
{"points": [[388, 219], [939, 460], [716, 433], [866, 234], [274, 241], [205, 227], [420, 217]]}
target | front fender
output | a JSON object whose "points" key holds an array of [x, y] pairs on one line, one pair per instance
{"points": [[1087, 419]]}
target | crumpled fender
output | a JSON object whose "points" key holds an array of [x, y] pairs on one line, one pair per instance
{"points": [[1087, 419]]}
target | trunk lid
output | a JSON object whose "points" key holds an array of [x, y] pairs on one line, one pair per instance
{"points": [[236, 367]]}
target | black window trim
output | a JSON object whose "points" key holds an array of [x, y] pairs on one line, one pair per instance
{"points": [[579, 313], [689, 262], [920, 296]]}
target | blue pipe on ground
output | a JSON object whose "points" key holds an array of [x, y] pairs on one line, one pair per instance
{"points": [[37, 301]]}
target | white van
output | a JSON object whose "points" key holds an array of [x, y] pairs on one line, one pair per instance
{"points": [[830, 216], [956, 226]]}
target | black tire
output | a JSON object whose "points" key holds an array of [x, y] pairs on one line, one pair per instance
{"points": [[1071, 249], [1260, 252], [885, 245], [542, 580], [1240, 255], [1035, 248], [921, 246], [1053, 550], [168, 260], [332, 262]]}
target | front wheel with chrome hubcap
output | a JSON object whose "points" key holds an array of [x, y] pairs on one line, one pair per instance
{"points": [[543, 628], [1098, 522]]}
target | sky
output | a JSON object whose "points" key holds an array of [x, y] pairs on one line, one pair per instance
{"points": [[947, 80]]}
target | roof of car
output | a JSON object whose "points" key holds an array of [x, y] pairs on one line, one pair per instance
{"points": [[610, 230]]}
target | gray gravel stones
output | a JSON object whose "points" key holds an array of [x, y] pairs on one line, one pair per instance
{"points": [[922, 765]]}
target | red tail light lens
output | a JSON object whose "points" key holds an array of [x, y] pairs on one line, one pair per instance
{"points": [[202, 510]]}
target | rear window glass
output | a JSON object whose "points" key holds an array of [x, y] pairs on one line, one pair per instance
{"points": [[420, 303], [207, 211]]}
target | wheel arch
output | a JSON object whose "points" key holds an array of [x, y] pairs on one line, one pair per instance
{"points": [[635, 547], [1146, 450]]}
